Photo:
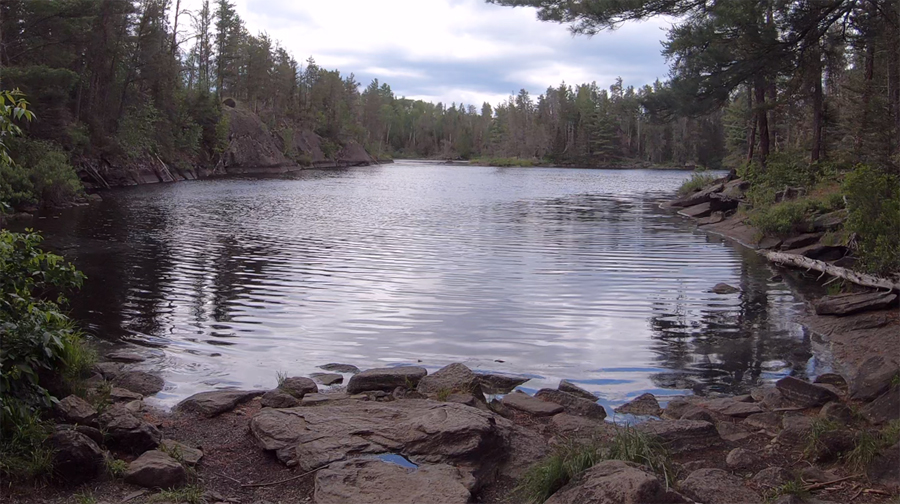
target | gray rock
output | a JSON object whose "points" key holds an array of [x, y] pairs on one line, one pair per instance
{"points": [[298, 386], [327, 379], [386, 379], [181, 452], [829, 221], [377, 482], [76, 458], [332, 398], [769, 398], [872, 379], [772, 477], [278, 399], [109, 370], [715, 486], [883, 409], [732, 433], [217, 402], [740, 459], [155, 469], [702, 196], [837, 412], [340, 368], [676, 408], [796, 430], [698, 413], [769, 421], [697, 211], [571, 388], [91, 432], [128, 432], [76, 410], [496, 383], [461, 398], [523, 402], [724, 288], [683, 436], [847, 304], [803, 240], [451, 378], [124, 356], [615, 482], [831, 379], [572, 404], [118, 394], [804, 394], [572, 426], [729, 407], [143, 383], [812, 474], [644, 404]]}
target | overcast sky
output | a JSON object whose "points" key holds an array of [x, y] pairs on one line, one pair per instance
{"points": [[453, 50]]}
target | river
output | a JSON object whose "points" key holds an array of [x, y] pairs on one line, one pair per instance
{"points": [[548, 272]]}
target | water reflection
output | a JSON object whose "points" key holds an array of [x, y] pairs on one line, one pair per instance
{"points": [[557, 273]]}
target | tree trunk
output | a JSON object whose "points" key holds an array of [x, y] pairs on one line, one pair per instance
{"points": [[866, 95], [751, 135], [175, 26], [761, 118], [818, 104]]}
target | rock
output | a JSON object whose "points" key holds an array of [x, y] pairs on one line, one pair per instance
{"points": [[327, 379], [698, 413], [804, 394], [715, 486], [496, 383], [883, 409], [467, 399], [769, 243], [124, 356], [340, 368], [825, 253], [846, 304], [76, 457], [451, 378], [386, 379], [772, 477], [733, 433], [723, 288], [729, 407], [571, 388], [322, 399], [127, 432], [676, 408], [837, 412], [683, 436], [872, 379], [769, 398], [716, 216], [278, 399], [831, 379], [577, 426], [420, 430], [533, 406], [796, 430], [799, 241], [298, 386], [883, 470], [155, 469], [769, 421], [217, 402], [94, 434], [697, 211], [812, 474], [615, 482], [143, 383], [109, 370], [702, 196], [572, 404], [76, 410], [829, 221], [740, 459], [377, 482], [181, 452], [118, 394], [644, 404], [831, 444]]}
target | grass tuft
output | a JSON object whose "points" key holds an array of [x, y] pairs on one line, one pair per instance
{"points": [[191, 494], [696, 182], [865, 451], [815, 439], [281, 376], [116, 468]]}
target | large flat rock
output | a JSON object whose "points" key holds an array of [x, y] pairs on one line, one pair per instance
{"points": [[615, 482], [373, 481], [683, 435], [386, 379], [531, 405], [217, 402]]}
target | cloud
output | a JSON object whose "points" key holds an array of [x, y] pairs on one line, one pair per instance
{"points": [[452, 50]]}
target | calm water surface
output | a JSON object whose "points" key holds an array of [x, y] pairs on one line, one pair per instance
{"points": [[551, 273]]}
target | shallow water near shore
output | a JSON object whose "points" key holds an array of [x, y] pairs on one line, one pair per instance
{"points": [[547, 272]]}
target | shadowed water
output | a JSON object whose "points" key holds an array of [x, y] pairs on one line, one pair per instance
{"points": [[552, 273]]}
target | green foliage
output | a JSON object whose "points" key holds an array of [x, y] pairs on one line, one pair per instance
{"points": [[793, 487], [782, 219], [42, 175], [817, 432], [506, 162], [696, 182], [24, 453], [329, 149], [116, 468], [865, 451], [136, 135], [873, 198], [13, 109], [191, 494], [443, 394], [632, 445], [85, 497]]}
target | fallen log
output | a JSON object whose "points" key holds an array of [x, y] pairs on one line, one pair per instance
{"points": [[803, 262]]}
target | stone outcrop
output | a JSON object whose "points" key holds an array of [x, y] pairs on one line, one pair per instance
{"points": [[141, 382], [615, 482], [376, 482], [155, 469], [572, 404], [73, 409], [386, 379], [644, 404], [299, 386], [76, 457], [715, 486], [523, 402], [497, 383], [217, 402]]}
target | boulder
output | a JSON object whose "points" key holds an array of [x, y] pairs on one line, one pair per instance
{"points": [[644, 404], [340, 368], [825, 253], [128, 432], [572, 426], [804, 394], [682, 436], [698, 413], [217, 402], [883, 409], [847, 304], [572, 404], [676, 408], [831, 379], [796, 430], [740, 459], [702, 196], [768, 421], [730, 407], [118, 394], [181, 452], [155, 469], [829, 221], [278, 399], [496, 383], [732, 433], [386, 379], [327, 379], [799, 241], [715, 486], [76, 457], [772, 477], [91, 432], [76, 410], [571, 388], [109, 370], [298, 386], [769, 398], [141, 382], [125, 356], [837, 412], [872, 379], [461, 398], [523, 402], [724, 288], [451, 378], [374, 481], [615, 482]]}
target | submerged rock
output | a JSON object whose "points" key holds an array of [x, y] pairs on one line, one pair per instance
{"points": [[124, 356], [217, 402], [386, 379], [644, 404], [327, 379], [615, 482], [377, 482], [724, 288], [340, 368]]}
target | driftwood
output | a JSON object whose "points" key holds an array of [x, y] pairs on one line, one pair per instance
{"points": [[804, 262]]}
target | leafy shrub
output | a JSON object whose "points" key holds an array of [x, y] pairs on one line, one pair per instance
{"points": [[136, 135], [873, 198], [41, 175], [782, 219]]}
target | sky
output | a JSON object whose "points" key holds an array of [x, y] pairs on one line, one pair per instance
{"points": [[453, 51]]}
